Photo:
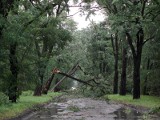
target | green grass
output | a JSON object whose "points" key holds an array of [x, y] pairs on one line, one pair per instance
{"points": [[24, 103], [144, 101]]}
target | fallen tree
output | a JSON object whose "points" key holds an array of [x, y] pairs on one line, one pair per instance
{"points": [[47, 85], [79, 80], [70, 72], [93, 83]]}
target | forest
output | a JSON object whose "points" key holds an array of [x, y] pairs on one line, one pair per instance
{"points": [[42, 50]]}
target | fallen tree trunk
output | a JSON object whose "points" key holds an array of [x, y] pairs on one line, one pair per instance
{"points": [[70, 72], [79, 80]]}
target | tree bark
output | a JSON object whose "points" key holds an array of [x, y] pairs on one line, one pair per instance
{"points": [[13, 87], [136, 78], [115, 51], [123, 74]]}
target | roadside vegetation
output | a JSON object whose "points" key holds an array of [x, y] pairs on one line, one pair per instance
{"points": [[151, 102], [26, 102]]}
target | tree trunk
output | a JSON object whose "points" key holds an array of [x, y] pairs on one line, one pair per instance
{"points": [[115, 84], [38, 90], [137, 53], [5, 7], [123, 75], [115, 50], [41, 67], [47, 85], [137, 64], [13, 87], [57, 88], [136, 78]]}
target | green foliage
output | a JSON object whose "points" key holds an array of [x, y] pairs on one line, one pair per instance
{"points": [[25, 103], [3, 99], [27, 25], [100, 51]]}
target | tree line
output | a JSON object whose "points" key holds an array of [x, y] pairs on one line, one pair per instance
{"points": [[121, 53], [132, 28], [31, 32]]}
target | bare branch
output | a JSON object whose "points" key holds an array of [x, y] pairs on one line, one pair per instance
{"points": [[148, 39]]}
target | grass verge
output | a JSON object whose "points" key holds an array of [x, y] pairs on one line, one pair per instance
{"points": [[24, 103], [150, 102]]}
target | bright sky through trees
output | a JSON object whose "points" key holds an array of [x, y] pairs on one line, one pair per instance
{"points": [[80, 17]]}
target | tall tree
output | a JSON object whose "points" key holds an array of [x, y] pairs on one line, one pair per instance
{"points": [[5, 7], [114, 41], [135, 21], [122, 90]]}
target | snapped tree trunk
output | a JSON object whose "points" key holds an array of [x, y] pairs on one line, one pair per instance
{"points": [[115, 51], [123, 74], [70, 72], [47, 85], [13, 86]]}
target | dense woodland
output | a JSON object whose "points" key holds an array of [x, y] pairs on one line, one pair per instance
{"points": [[120, 55]]}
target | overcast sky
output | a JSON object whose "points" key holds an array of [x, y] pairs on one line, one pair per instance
{"points": [[81, 19]]}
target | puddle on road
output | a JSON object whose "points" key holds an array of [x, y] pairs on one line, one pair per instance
{"points": [[46, 113], [54, 110], [127, 114], [59, 111]]}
